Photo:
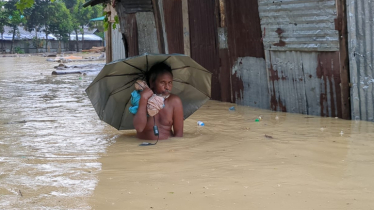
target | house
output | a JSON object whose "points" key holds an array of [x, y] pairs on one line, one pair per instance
{"points": [[307, 57]]}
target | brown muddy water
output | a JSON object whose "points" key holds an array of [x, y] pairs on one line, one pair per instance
{"points": [[56, 154]]}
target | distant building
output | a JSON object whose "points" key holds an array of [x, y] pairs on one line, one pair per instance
{"points": [[23, 41]]}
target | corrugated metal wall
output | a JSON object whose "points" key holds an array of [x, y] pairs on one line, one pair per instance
{"points": [[118, 48], [305, 82], [361, 57], [246, 54], [278, 54], [302, 56], [306, 25], [203, 36], [172, 15]]}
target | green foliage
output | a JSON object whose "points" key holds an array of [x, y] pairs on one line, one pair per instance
{"points": [[15, 17], [69, 4], [116, 21], [18, 50], [37, 16], [101, 35], [80, 14], [24, 4], [58, 17], [106, 22], [60, 23], [3, 17], [97, 11], [37, 42]]}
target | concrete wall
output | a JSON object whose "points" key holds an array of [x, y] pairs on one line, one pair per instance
{"points": [[27, 46]]}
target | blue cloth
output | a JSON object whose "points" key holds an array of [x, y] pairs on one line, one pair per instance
{"points": [[135, 98]]}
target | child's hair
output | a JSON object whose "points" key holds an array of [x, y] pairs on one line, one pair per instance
{"points": [[155, 71]]}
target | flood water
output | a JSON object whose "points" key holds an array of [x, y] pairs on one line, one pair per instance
{"points": [[56, 154]]}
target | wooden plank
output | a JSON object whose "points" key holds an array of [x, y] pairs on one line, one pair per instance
{"points": [[225, 75], [243, 36], [108, 40], [341, 24], [204, 39], [129, 30], [131, 35], [160, 36], [147, 33], [186, 28], [174, 25]]}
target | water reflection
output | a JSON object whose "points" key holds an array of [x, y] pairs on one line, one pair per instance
{"points": [[56, 153], [50, 137]]}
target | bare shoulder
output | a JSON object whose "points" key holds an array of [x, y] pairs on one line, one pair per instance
{"points": [[175, 100]]}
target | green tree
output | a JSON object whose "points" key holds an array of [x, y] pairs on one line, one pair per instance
{"points": [[3, 21], [99, 25], [36, 17], [15, 18], [70, 4], [97, 11], [81, 17], [60, 24]]}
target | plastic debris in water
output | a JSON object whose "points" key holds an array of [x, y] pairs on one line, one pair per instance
{"points": [[260, 118], [199, 123], [257, 120], [341, 133], [232, 108], [276, 117]]}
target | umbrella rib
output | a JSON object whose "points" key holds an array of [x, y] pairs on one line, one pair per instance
{"points": [[192, 86], [116, 93], [120, 75], [165, 59], [120, 122], [134, 66], [146, 57], [191, 67], [117, 90]]}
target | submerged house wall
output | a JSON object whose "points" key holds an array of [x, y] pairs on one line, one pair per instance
{"points": [[303, 53], [361, 57], [279, 55]]}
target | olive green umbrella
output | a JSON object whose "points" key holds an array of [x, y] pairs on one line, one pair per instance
{"points": [[110, 91]]}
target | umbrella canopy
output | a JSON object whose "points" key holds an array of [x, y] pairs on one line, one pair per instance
{"points": [[110, 91]]}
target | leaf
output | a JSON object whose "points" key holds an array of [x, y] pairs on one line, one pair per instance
{"points": [[24, 4]]}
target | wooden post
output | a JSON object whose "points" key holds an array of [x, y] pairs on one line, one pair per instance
{"points": [[108, 40], [186, 28], [158, 22], [341, 26]]}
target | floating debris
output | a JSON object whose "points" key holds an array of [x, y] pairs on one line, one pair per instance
{"points": [[269, 137]]}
